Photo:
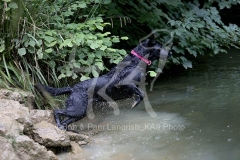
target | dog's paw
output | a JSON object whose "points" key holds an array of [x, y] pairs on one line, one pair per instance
{"points": [[62, 127], [135, 103], [137, 100]]}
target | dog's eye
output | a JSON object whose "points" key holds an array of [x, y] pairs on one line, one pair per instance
{"points": [[169, 54]]}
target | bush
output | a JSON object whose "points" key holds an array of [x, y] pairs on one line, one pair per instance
{"points": [[60, 42], [55, 40], [197, 27]]}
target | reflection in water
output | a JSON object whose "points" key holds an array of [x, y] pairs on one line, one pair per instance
{"points": [[198, 119]]}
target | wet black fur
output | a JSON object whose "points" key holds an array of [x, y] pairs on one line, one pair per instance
{"points": [[116, 84]]}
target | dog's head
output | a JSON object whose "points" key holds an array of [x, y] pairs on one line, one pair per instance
{"points": [[154, 49]]}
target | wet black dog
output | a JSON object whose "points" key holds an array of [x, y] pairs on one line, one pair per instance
{"points": [[120, 83]]}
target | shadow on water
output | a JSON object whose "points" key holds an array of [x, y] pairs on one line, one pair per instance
{"points": [[198, 117]]}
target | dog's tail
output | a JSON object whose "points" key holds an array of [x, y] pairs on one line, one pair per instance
{"points": [[53, 91]]}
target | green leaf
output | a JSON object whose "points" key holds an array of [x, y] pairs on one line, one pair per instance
{"points": [[82, 5], [39, 42], [83, 78], [74, 6], [106, 33], [103, 48], [183, 59], [49, 50], [124, 38], [22, 51], [193, 52], [52, 64], [62, 75], [152, 73], [115, 40], [49, 32], [99, 54], [175, 60], [94, 45], [51, 44], [74, 76], [69, 73], [111, 49], [13, 5], [107, 42], [83, 61], [49, 39], [107, 1], [99, 27], [68, 42], [95, 73], [187, 64], [99, 65], [122, 52], [76, 64], [31, 49], [2, 48], [26, 44], [32, 43], [40, 53]]}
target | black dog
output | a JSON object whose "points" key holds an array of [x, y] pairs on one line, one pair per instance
{"points": [[120, 83]]}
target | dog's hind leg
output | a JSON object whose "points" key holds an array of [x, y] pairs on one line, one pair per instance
{"points": [[76, 106], [57, 113], [68, 121]]}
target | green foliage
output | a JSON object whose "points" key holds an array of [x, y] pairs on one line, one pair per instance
{"points": [[197, 29], [201, 30], [60, 39]]}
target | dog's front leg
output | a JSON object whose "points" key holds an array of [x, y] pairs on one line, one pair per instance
{"points": [[136, 92], [137, 98]]}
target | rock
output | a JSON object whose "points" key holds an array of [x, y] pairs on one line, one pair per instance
{"points": [[6, 150], [81, 143], [9, 127], [49, 135], [15, 120], [39, 129], [81, 139], [18, 95], [77, 137], [42, 115], [27, 149], [15, 110], [75, 154], [75, 147]]}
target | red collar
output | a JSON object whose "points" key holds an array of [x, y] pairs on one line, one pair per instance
{"points": [[141, 57]]}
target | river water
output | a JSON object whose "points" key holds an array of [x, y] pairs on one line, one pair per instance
{"points": [[198, 118]]}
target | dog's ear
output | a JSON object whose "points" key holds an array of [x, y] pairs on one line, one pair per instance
{"points": [[152, 41]]}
